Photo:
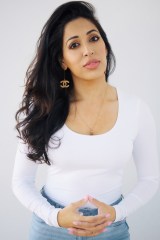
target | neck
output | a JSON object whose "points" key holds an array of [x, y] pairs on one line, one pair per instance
{"points": [[89, 91]]}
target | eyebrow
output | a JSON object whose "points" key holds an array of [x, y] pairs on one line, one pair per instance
{"points": [[87, 33]]}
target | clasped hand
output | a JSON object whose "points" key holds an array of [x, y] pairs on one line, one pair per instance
{"points": [[79, 225]]}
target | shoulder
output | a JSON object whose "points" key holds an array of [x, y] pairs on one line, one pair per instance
{"points": [[131, 99], [128, 102], [127, 96], [134, 105]]}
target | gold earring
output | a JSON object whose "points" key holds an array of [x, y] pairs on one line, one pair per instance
{"points": [[64, 83]]}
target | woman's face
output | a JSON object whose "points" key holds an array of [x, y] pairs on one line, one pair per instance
{"points": [[83, 44]]}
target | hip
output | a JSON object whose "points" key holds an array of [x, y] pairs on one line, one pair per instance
{"points": [[41, 231]]}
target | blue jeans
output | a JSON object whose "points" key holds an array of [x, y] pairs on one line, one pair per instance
{"points": [[42, 231]]}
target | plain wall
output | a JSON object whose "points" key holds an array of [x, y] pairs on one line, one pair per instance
{"points": [[133, 29]]}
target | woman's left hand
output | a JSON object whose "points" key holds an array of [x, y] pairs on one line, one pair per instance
{"points": [[103, 208]]}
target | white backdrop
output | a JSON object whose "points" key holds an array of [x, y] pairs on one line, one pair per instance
{"points": [[133, 29]]}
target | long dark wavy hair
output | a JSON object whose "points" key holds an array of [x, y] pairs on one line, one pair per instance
{"points": [[45, 105]]}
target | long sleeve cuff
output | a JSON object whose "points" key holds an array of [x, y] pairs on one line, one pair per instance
{"points": [[120, 215], [53, 220]]}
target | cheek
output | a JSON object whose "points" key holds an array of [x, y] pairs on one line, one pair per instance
{"points": [[72, 60], [103, 50]]}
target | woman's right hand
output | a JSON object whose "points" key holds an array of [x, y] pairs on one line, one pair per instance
{"points": [[69, 216]]}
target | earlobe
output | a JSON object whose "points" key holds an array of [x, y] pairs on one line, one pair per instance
{"points": [[63, 65]]}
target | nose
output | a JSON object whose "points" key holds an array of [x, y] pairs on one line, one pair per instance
{"points": [[87, 51]]}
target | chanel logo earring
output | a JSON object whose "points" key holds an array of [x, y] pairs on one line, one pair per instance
{"points": [[64, 83]]}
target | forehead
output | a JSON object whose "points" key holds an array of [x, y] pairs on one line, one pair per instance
{"points": [[78, 27]]}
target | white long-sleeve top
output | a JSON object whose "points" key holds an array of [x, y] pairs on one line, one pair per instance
{"points": [[95, 164]]}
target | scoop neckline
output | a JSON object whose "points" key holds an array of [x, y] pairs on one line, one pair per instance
{"points": [[101, 134]]}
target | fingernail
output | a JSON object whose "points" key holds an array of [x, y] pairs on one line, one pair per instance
{"points": [[86, 198], [109, 223], [75, 223], [108, 215], [70, 230], [90, 197]]}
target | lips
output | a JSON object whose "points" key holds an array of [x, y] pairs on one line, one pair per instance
{"points": [[92, 64]]}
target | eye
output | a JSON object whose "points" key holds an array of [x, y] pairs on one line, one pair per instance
{"points": [[73, 45], [94, 38]]}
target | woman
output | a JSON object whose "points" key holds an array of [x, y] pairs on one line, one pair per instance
{"points": [[85, 130]]}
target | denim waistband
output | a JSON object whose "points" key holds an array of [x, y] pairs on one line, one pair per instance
{"points": [[86, 210]]}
